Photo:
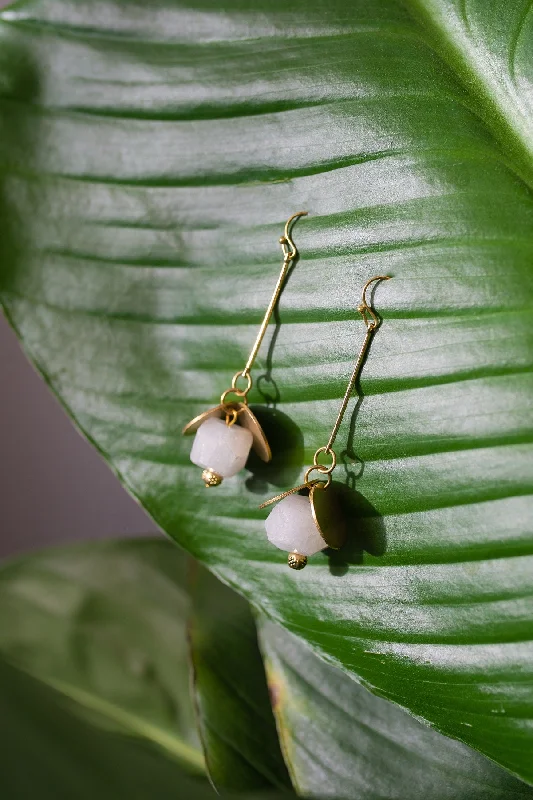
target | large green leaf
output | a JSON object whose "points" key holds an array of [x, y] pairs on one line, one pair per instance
{"points": [[149, 156], [340, 740], [105, 624], [237, 727]]}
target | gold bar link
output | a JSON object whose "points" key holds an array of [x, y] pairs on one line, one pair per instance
{"points": [[372, 323], [290, 252], [349, 389]]}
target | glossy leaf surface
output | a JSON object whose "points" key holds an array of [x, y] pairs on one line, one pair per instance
{"points": [[236, 723], [340, 740], [105, 624], [149, 157]]}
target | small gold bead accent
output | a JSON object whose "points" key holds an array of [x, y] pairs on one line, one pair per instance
{"points": [[211, 478], [296, 560]]}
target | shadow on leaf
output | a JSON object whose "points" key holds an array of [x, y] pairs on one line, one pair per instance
{"points": [[287, 445], [365, 530]]}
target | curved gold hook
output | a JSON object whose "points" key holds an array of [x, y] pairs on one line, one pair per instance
{"points": [[365, 309], [287, 245]]}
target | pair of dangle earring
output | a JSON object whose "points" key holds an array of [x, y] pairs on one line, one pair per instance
{"points": [[226, 433], [307, 519]]}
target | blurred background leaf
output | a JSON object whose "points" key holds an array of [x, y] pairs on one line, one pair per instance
{"points": [[105, 624], [148, 159], [235, 717], [51, 752]]}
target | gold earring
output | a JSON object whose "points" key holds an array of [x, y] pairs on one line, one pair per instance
{"points": [[308, 518], [221, 447]]}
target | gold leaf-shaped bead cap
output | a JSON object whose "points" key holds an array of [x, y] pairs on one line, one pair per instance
{"points": [[328, 515]]}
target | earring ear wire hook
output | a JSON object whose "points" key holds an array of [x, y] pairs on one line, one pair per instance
{"points": [[365, 309], [287, 245]]}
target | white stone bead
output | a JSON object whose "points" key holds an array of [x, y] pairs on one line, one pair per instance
{"points": [[220, 447], [290, 526]]}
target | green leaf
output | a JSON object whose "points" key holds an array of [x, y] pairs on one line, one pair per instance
{"points": [[340, 740], [149, 157], [489, 48], [105, 624], [237, 726], [51, 753]]}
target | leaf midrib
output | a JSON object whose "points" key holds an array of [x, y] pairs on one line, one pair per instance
{"points": [[176, 748], [489, 100]]}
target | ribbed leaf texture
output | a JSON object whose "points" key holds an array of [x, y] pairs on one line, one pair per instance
{"points": [[149, 155]]}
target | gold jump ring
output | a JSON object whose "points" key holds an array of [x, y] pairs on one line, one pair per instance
{"points": [[323, 468], [237, 392], [322, 472], [246, 375]]}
